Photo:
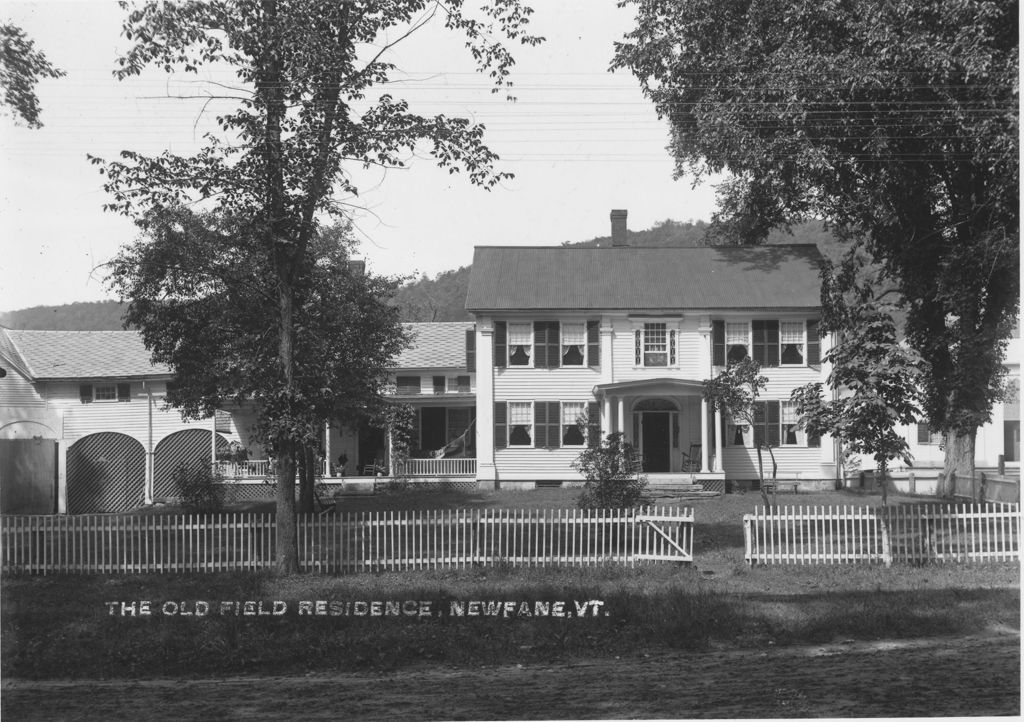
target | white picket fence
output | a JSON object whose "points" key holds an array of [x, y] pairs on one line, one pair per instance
{"points": [[345, 542], [905, 533]]}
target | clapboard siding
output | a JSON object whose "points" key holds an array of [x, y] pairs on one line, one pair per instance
{"points": [[533, 464], [16, 390], [783, 379], [740, 462], [545, 384], [687, 349]]}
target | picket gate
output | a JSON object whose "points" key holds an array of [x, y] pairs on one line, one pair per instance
{"points": [[905, 533], [345, 542]]}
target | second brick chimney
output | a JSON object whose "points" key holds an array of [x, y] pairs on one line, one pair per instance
{"points": [[619, 228]]}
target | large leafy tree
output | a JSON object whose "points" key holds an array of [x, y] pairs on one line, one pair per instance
{"points": [[898, 120], [199, 287], [21, 68], [303, 109], [875, 377]]}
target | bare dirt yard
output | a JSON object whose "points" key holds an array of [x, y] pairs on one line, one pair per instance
{"points": [[966, 676]]}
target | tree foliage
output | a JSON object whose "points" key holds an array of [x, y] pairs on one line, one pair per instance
{"points": [[302, 110], [734, 392], [875, 378], [896, 119], [21, 68], [613, 481]]}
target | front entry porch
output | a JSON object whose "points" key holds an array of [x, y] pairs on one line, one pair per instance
{"points": [[668, 422]]}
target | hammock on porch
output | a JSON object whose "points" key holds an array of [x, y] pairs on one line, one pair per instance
{"points": [[457, 446]]}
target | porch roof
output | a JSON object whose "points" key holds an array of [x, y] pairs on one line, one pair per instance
{"points": [[658, 386]]}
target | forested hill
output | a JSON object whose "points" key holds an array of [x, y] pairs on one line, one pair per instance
{"points": [[82, 316], [427, 299]]}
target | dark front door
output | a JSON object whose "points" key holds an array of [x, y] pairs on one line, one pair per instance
{"points": [[656, 444]]}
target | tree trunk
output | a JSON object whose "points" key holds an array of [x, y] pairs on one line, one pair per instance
{"points": [[307, 480], [287, 543], [959, 461]]}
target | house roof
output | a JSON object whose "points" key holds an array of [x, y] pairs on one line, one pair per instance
{"points": [[436, 345], [9, 353], [84, 354], [632, 278]]}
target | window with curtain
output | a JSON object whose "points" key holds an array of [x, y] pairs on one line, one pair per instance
{"points": [[520, 423], [572, 413], [737, 342], [574, 343], [789, 424], [520, 343], [791, 336], [655, 344]]}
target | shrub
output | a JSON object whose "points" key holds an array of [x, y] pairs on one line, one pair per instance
{"points": [[199, 486], [613, 479]]}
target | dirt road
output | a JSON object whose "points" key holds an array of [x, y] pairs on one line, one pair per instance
{"points": [[977, 675]]}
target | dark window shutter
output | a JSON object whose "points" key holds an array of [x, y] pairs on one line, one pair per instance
{"points": [[85, 393], [774, 409], [593, 424], [540, 425], [594, 344], [500, 425], [718, 343], [500, 344], [554, 424], [759, 422], [540, 345], [757, 335], [924, 434], [813, 442], [470, 349], [124, 392], [813, 343], [554, 345], [771, 343]]}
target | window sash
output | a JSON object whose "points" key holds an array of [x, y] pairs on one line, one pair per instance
{"points": [[520, 423], [520, 344], [792, 347], [737, 342], [572, 413], [104, 392], [655, 344]]}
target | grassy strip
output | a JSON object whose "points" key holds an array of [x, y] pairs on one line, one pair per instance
{"points": [[59, 627]]}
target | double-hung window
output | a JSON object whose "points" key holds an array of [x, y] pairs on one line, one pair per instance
{"points": [[520, 423], [791, 337], [573, 412], [520, 344], [574, 343], [458, 384], [655, 344], [789, 424], [737, 342], [105, 392]]}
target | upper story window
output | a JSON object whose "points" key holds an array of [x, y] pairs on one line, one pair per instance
{"points": [[791, 337], [520, 423], [407, 385], [439, 384], [737, 342], [655, 344], [520, 344], [574, 343], [458, 384], [88, 393]]}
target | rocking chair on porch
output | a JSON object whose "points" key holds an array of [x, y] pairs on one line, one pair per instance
{"points": [[691, 461]]}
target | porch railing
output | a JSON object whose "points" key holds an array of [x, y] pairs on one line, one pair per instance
{"points": [[438, 467], [255, 469]]}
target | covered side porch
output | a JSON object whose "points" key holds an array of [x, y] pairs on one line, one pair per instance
{"points": [[669, 423]]}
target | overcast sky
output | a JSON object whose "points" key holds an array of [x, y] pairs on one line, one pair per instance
{"points": [[579, 140]]}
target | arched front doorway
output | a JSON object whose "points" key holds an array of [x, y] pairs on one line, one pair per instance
{"points": [[656, 429], [106, 473]]}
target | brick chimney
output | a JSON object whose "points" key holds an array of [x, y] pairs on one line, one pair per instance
{"points": [[619, 228]]}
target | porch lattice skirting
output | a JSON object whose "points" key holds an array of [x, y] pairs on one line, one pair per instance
{"points": [[350, 542], [883, 535]]}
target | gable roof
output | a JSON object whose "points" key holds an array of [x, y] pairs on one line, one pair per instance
{"points": [[631, 278], [436, 345], [9, 354], [84, 354]]}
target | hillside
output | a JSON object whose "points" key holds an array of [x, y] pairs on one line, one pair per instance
{"points": [[426, 299]]}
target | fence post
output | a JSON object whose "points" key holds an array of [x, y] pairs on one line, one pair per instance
{"points": [[912, 483], [746, 540], [1001, 465]]}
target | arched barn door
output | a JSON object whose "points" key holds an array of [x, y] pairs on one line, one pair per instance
{"points": [[190, 446], [106, 473]]}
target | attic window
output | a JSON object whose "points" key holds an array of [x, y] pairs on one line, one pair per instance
{"points": [[104, 392]]}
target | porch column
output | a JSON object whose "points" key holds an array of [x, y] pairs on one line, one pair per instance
{"points": [[485, 469], [327, 449], [213, 438], [622, 418], [704, 436], [718, 441], [606, 417]]}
